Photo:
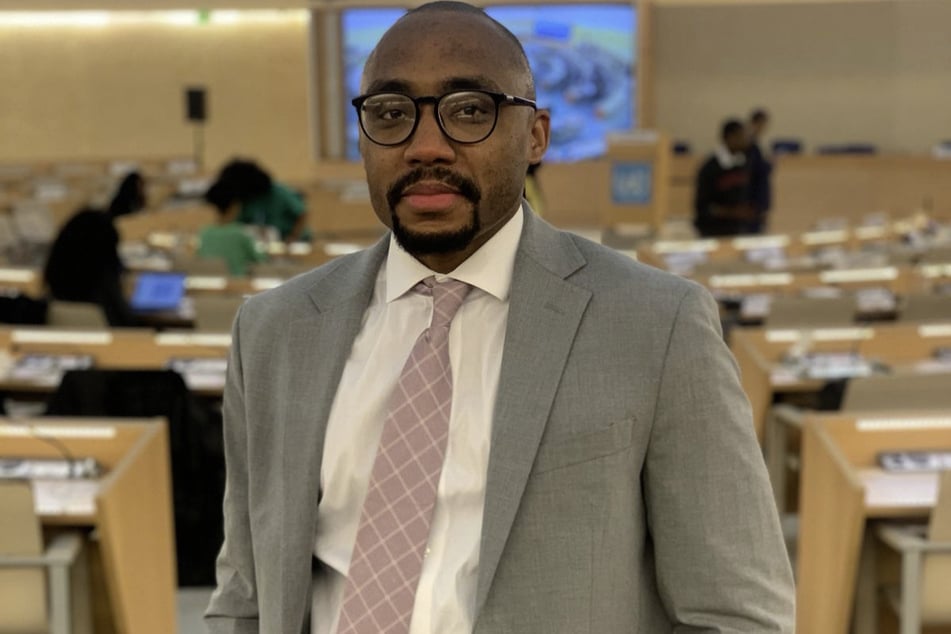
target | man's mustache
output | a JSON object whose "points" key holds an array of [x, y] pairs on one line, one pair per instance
{"points": [[466, 187]]}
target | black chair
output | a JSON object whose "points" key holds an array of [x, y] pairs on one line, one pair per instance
{"points": [[681, 148], [847, 149], [786, 146], [21, 309], [197, 454]]}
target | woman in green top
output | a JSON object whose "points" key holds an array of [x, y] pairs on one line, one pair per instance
{"points": [[227, 239], [266, 202]]}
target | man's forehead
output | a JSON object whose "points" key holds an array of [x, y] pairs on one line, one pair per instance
{"points": [[441, 48]]}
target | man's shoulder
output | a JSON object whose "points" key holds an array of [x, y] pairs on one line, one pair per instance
{"points": [[616, 274], [340, 275]]}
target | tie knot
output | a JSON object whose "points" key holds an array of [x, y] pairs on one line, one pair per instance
{"points": [[447, 298]]}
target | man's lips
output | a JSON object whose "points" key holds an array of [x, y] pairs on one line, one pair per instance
{"points": [[431, 196]]}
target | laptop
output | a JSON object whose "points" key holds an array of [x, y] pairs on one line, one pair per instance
{"points": [[157, 292]]}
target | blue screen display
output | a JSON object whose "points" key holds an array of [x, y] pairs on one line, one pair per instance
{"points": [[583, 58]]}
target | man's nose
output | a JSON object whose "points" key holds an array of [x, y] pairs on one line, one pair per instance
{"points": [[429, 144]]}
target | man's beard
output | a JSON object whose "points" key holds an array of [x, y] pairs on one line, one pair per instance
{"points": [[418, 243]]}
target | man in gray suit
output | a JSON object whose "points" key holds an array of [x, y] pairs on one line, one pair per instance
{"points": [[598, 472]]}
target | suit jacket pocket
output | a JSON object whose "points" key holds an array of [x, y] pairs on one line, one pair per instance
{"points": [[566, 450]]}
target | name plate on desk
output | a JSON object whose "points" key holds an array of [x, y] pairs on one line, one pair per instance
{"points": [[934, 330], [213, 340], [97, 338], [17, 275], [899, 490], [65, 497], [206, 282], [47, 369], [819, 334], [882, 274]]}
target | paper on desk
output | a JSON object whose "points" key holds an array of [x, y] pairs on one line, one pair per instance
{"points": [[903, 490], [65, 497]]}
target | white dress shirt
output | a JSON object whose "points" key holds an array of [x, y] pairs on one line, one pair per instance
{"points": [[445, 597]]}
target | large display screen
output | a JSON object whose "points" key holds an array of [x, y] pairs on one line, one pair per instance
{"points": [[583, 57]]}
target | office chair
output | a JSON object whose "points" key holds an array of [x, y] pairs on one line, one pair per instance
{"points": [[922, 599], [193, 265], [937, 255], [24, 564], [76, 315], [890, 391], [920, 308], [215, 313], [786, 146], [847, 148], [811, 312], [195, 442]]}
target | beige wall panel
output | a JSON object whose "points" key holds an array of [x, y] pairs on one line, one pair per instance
{"points": [[873, 71], [108, 92]]}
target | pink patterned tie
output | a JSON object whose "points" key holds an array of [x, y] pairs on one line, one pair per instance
{"points": [[394, 525]]}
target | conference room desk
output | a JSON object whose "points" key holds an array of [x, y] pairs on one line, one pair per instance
{"points": [[125, 515], [120, 348], [662, 253], [759, 353], [843, 494]]}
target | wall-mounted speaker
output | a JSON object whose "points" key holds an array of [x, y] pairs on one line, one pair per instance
{"points": [[195, 104]]}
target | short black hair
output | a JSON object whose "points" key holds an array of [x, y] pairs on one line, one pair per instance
{"points": [[759, 115], [221, 195], [730, 127], [245, 179]]}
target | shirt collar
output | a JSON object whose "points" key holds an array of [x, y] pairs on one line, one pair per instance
{"points": [[489, 269], [727, 159]]}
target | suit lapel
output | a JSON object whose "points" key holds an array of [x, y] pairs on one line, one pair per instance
{"points": [[541, 301], [317, 347]]}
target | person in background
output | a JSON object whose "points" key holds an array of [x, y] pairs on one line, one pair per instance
{"points": [[227, 238], [83, 265], [761, 169], [266, 202], [722, 198], [129, 197], [483, 424]]}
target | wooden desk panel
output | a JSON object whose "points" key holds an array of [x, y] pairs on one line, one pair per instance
{"points": [[834, 510], [759, 350], [133, 510]]}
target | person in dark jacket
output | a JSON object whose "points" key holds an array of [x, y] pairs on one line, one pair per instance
{"points": [[83, 265], [760, 171], [721, 203]]}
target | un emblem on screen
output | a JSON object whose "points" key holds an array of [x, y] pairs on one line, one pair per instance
{"points": [[631, 183]]}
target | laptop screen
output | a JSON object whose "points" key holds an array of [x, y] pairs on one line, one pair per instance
{"points": [[158, 291]]}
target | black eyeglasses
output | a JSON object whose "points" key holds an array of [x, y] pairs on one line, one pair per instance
{"points": [[465, 116]]}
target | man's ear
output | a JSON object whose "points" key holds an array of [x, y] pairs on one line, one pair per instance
{"points": [[541, 135]]}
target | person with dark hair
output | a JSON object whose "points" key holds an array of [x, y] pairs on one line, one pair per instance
{"points": [[129, 197], [83, 265], [722, 197], [483, 424], [228, 239], [264, 201], [761, 169]]}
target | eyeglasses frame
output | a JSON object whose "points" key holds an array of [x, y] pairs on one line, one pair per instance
{"points": [[500, 99]]}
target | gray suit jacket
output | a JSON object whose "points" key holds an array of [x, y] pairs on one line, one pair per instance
{"points": [[626, 492]]}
